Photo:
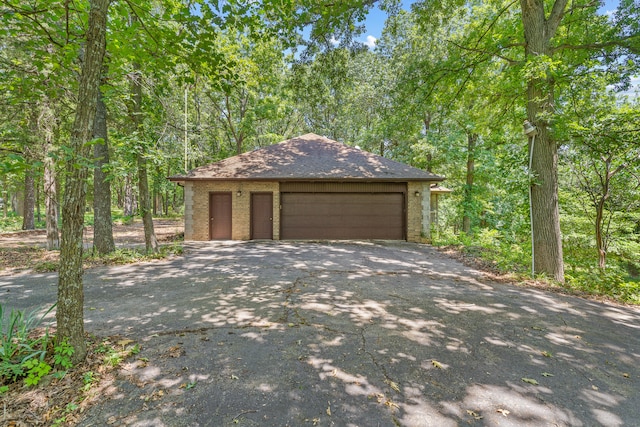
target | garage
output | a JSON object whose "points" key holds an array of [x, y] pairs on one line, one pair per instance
{"points": [[307, 188], [342, 216]]}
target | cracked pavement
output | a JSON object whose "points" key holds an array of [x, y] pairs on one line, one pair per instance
{"points": [[348, 334]]}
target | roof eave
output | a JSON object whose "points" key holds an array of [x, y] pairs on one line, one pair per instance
{"points": [[182, 179]]}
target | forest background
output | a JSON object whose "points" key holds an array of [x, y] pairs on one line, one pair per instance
{"points": [[445, 88]]}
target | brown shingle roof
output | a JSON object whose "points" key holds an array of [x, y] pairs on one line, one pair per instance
{"points": [[308, 157]]}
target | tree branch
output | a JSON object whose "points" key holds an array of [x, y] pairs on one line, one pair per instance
{"points": [[613, 43], [555, 17]]}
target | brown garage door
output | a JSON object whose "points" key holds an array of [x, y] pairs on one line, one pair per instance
{"points": [[342, 216]]}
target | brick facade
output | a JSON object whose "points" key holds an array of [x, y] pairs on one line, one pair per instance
{"points": [[196, 209], [415, 194]]}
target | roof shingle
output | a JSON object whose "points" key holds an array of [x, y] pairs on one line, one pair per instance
{"points": [[308, 157]]}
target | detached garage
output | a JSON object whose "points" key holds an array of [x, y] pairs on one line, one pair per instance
{"points": [[308, 187]]}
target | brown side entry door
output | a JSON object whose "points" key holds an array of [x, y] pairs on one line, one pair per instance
{"points": [[219, 216], [261, 215]]}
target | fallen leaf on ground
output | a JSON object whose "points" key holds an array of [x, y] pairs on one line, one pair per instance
{"points": [[391, 404], [503, 412], [530, 381], [547, 374], [546, 354], [437, 364], [474, 414], [393, 385], [329, 409]]}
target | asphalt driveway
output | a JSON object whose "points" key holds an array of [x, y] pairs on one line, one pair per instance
{"points": [[349, 334]]}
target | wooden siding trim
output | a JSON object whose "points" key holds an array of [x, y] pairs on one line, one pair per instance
{"points": [[343, 187]]}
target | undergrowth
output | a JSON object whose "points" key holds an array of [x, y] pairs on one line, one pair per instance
{"points": [[30, 358], [120, 256], [508, 256]]}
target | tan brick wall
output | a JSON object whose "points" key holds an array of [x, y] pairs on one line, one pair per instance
{"points": [[414, 211], [426, 210], [196, 210], [197, 216], [188, 211]]}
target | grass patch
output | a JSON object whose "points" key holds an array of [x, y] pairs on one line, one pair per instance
{"points": [[132, 255]]}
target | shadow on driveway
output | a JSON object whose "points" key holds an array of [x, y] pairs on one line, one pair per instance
{"points": [[349, 334]]}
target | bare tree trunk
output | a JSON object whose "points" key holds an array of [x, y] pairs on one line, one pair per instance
{"points": [[51, 202], [28, 220], [5, 203], [547, 239], [144, 198], [102, 224], [129, 208], [472, 138], [36, 187], [600, 241], [69, 314], [150, 240], [47, 124]]}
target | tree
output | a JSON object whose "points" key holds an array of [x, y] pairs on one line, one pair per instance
{"points": [[69, 314], [547, 43], [151, 242], [47, 127], [102, 222], [605, 161]]}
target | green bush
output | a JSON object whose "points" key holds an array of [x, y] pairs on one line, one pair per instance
{"points": [[612, 283]]}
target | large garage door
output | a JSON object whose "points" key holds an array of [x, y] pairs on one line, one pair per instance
{"points": [[343, 215]]}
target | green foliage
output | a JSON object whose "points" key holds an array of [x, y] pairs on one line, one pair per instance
{"points": [[62, 353], [89, 378], [492, 248], [123, 256], [69, 408], [611, 283], [35, 370], [46, 266], [11, 223], [21, 346]]}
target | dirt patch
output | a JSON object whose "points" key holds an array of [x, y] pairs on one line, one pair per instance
{"points": [[25, 250]]}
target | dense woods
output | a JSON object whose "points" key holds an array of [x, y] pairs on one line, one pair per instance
{"points": [[446, 88]]}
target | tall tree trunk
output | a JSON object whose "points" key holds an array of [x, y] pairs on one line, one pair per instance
{"points": [[28, 220], [51, 202], [5, 202], [129, 208], [69, 314], [472, 138], [144, 198], [102, 224], [600, 240], [600, 204], [37, 201], [47, 124], [547, 240]]}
